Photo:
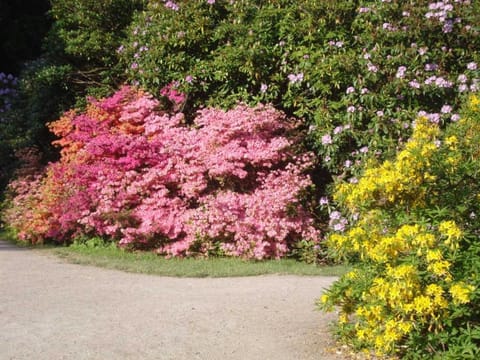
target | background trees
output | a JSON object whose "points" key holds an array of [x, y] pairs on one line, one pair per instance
{"points": [[61, 52], [24, 24]]}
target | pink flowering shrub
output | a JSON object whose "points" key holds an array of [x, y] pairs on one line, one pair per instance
{"points": [[133, 173], [25, 208], [173, 96]]}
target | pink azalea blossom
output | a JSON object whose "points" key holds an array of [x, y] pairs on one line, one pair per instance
{"points": [[139, 176]]}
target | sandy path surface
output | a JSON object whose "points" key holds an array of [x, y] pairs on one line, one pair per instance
{"points": [[50, 309]]}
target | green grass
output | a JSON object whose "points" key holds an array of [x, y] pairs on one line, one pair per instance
{"points": [[149, 263], [10, 236], [111, 257]]}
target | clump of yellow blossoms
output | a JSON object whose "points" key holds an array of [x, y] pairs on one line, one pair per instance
{"points": [[397, 182], [405, 279], [397, 292]]}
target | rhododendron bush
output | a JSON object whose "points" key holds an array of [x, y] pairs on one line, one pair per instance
{"points": [[356, 72], [132, 172]]}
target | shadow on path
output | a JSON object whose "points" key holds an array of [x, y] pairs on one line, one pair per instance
{"points": [[6, 246]]}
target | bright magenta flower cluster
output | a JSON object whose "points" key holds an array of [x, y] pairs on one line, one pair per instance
{"points": [[142, 176]]}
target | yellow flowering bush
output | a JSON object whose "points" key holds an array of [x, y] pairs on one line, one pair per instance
{"points": [[414, 244], [398, 182]]}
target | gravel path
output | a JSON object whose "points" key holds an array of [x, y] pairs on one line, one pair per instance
{"points": [[50, 309]]}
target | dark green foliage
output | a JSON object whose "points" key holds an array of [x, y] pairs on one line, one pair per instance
{"points": [[85, 35], [229, 49], [91, 29]]}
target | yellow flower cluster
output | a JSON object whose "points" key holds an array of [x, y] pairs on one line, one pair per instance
{"points": [[408, 280], [400, 293], [471, 127], [461, 292], [398, 181], [451, 232], [369, 240], [400, 296], [474, 103]]}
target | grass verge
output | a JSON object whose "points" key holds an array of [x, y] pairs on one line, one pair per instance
{"points": [[149, 263], [111, 257]]}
